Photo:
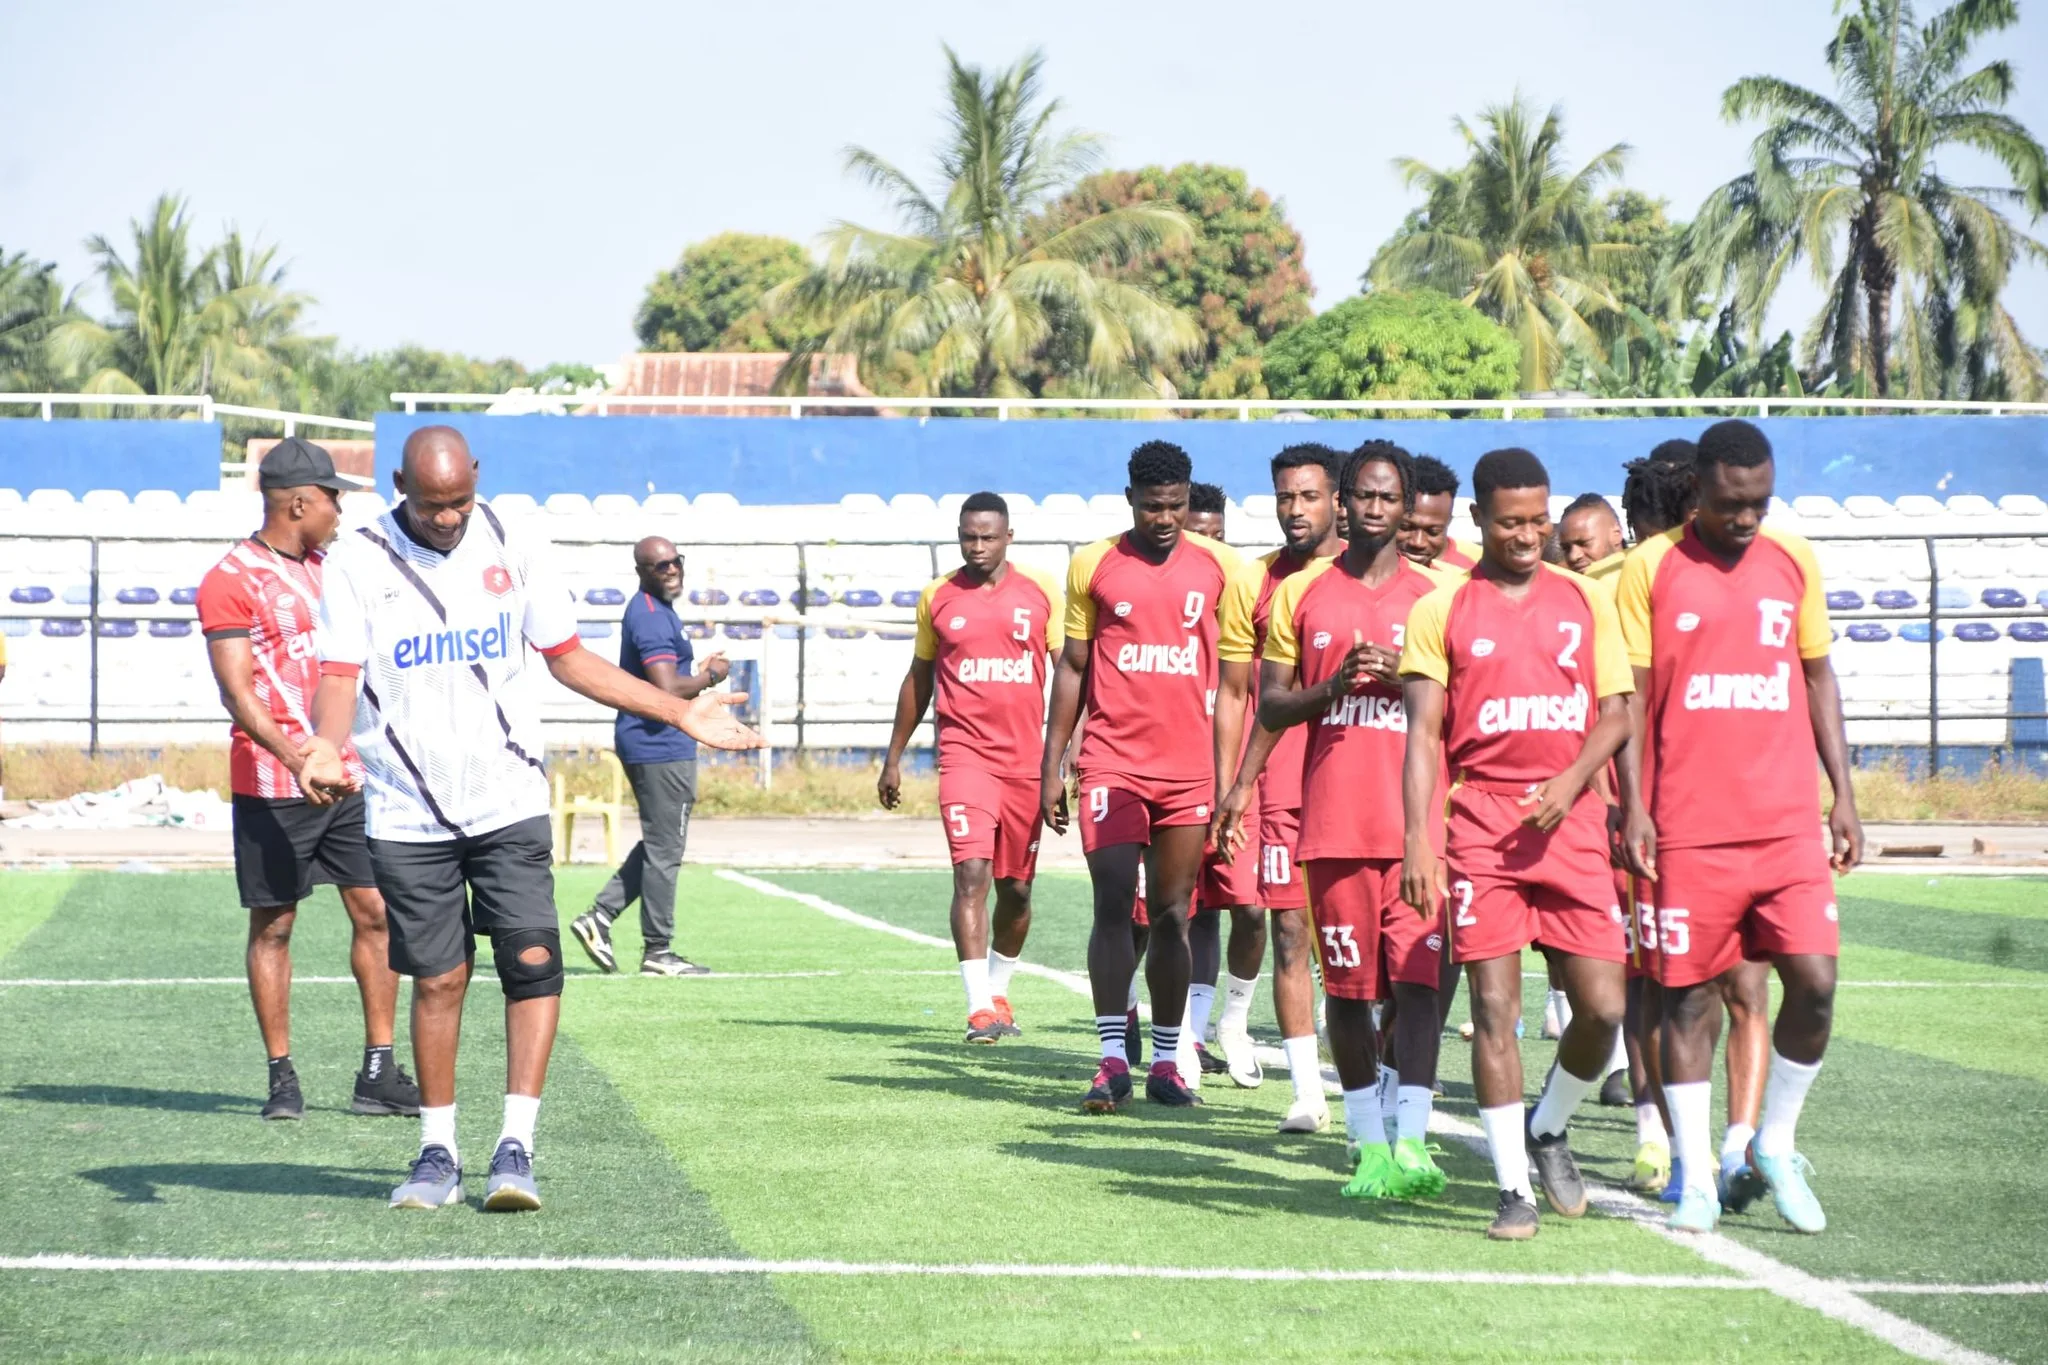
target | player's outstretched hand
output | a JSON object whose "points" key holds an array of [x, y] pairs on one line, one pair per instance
{"points": [[708, 719], [1052, 803], [1424, 885], [1547, 803], [322, 777], [1226, 831], [889, 787], [1638, 844], [1845, 827]]}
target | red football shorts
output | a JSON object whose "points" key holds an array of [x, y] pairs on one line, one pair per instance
{"points": [[990, 816], [1125, 810], [1513, 885], [1237, 883], [1638, 924], [1281, 884], [1368, 936], [1726, 902], [1141, 915]]}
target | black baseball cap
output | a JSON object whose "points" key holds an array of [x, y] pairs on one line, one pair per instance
{"points": [[297, 463]]}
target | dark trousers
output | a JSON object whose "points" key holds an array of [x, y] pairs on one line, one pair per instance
{"points": [[665, 792]]}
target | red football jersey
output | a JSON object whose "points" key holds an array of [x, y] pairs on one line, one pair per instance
{"points": [[1152, 659], [1353, 753], [274, 600], [1725, 646], [988, 646], [1522, 678], [1241, 637], [1458, 555]]}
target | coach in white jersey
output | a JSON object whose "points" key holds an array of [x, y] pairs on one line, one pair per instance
{"points": [[433, 622]]}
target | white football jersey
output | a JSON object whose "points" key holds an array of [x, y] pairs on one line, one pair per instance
{"points": [[448, 717]]}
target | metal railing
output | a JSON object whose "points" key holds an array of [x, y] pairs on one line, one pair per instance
{"points": [[809, 617]]}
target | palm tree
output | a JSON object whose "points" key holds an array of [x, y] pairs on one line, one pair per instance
{"points": [[1851, 185], [964, 299], [32, 306], [1515, 235]]}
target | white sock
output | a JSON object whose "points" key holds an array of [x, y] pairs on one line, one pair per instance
{"points": [[1237, 1003], [999, 969], [1412, 1112], [1131, 1001], [1165, 1043], [1650, 1125], [1110, 1029], [1303, 1069], [1561, 1006], [1201, 999], [1362, 1117], [520, 1113], [1735, 1145], [437, 1128], [1784, 1097], [1503, 1124], [1619, 1061], [974, 976], [1561, 1096], [1390, 1096], [1692, 1135]]}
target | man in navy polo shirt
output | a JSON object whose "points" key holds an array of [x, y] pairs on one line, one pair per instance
{"points": [[661, 763]]}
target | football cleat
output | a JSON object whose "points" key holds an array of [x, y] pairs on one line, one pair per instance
{"points": [[1165, 1085], [1240, 1058], [1375, 1175], [596, 937], [285, 1101], [1652, 1169], [1308, 1115], [1557, 1171], [1416, 1174], [393, 1092], [1111, 1088], [666, 963], [1741, 1186], [985, 1026], [1615, 1092], [1516, 1220], [1786, 1175], [1697, 1211], [1134, 1038], [435, 1182], [1212, 1065], [511, 1189], [1007, 1019]]}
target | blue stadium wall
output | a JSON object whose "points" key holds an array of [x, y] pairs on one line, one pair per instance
{"points": [[818, 459], [79, 454]]}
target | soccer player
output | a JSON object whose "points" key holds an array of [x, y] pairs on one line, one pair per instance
{"points": [[424, 638], [1140, 653], [984, 635], [1517, 678], [259, 609], [1329, 675], [1728, 633], [661, 764], [1214, 889], [1265, 799], [1426, 529], [1590, 535]]}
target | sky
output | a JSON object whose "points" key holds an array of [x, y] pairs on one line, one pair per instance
{"points": [[505, 179]]}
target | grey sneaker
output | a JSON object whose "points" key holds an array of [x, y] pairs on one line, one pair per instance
{"points": [[1557, 1172], [666, 963], [596, 937], [435, 1182], [511, 1188]]}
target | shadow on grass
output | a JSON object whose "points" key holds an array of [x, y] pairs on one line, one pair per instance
{"points": [[137, 1097], [141, 1184]]}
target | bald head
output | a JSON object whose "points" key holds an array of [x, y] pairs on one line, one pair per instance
{"points": [[659, 568], [437, 479]]}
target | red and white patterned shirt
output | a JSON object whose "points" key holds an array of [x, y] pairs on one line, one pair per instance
{"points": [[274, 600]]}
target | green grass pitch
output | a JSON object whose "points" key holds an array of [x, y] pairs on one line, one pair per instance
{"points": [[771, 1116]]}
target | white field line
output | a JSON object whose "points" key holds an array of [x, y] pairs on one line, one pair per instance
{"points": [[1830, 1299], [66, 982]]}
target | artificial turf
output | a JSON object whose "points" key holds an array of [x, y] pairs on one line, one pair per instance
{"points": [[838, 1117]]}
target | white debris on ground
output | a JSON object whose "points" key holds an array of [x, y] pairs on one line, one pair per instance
{"points": [[145, 802]]}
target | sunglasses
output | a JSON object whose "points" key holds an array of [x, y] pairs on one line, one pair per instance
{"points": [[666, 565]]}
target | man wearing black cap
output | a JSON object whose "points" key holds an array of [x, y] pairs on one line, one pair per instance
{"points": [[259, 609]]}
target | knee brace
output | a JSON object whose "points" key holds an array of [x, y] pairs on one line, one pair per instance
{"points": [[528, 980]]}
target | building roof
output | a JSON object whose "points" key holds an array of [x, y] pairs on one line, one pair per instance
{"points": [[724, 374]]}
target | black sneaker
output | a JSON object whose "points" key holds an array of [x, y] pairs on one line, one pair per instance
{"points": [[1134, 1038], [1557, 1172], [285, 1101], [1615, 1092], [666, 963], [1515, 1221], [1163, 1086], [596, 937], [1212, 1065], [391, 1093], [1112, 1087]]}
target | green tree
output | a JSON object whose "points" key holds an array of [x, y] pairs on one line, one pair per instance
{"points": [[337, 383], [33, 305], [1514, 234], [964, 299], [1853, 186], [1395, 344], [710, 300], [1240, 280]]}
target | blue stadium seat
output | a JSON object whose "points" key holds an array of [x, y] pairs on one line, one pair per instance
{"points": [[796, 632], [2003, 597], [2028, 632], [65, 629], [895, 635], [709, 597], [908, 597], [170, 630], [742, 630], [1868, 633], [1918, 632], [137, 597], [184, 597], [760, 597], [1953, 599], [699, 630], [15, 625], [1979, 632], [605, 597], [594, 630], [861, 597], [1844, 600], [116, 630], [35, 594], [1896, 599], [2041, 598], [78, 595], [812, 597], [845, 632]]}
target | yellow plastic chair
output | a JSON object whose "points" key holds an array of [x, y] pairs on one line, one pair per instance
{"points": [[562, 817]]}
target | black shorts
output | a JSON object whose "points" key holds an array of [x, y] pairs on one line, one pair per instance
{"points": [[283, 849], [439, 896]]}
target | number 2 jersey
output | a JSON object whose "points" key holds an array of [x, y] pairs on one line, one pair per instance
{"points": [[1725, 711], [1522, 678], [988, 645], [1151, 630]]}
